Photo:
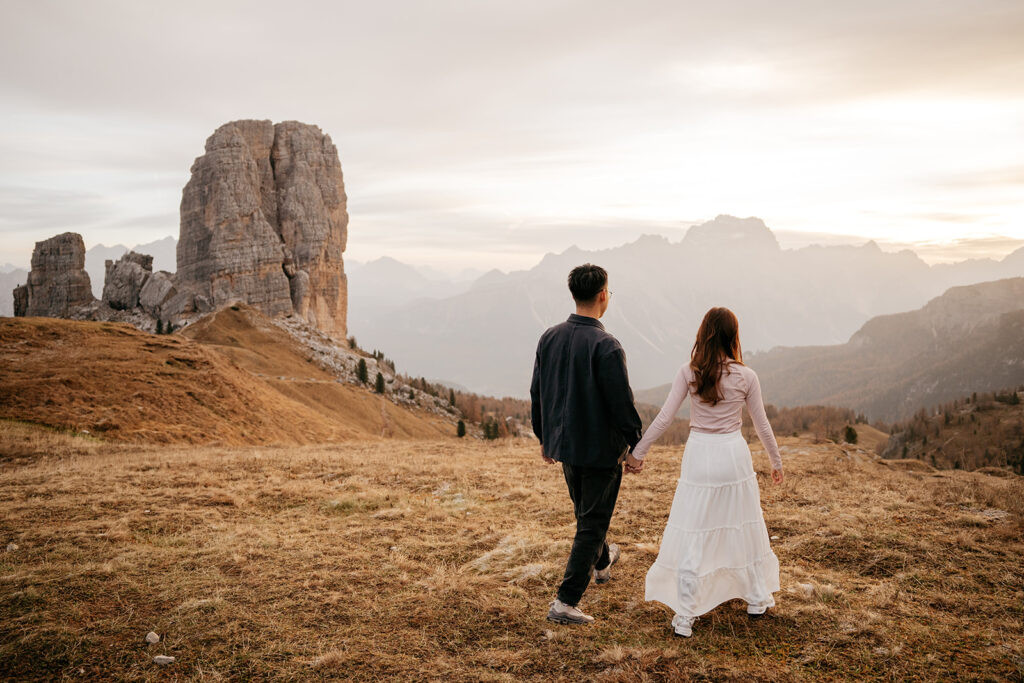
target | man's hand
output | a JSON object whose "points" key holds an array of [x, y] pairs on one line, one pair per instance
{"points": [[548, 460], [777, 476], [633, 466]]}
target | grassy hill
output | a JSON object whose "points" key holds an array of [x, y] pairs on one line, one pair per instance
{"points": [[233, 378], [401, 560]]}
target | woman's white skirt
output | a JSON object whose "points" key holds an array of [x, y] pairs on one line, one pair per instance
{"points": [[715, 547]]}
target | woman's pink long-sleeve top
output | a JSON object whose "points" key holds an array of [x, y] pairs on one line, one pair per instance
{"points": [[738, 385]]}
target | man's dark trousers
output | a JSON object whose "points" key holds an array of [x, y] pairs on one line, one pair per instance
{"points": [[594, 491]]}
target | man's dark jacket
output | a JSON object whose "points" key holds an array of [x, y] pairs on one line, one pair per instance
{"points": [[583, 410]]}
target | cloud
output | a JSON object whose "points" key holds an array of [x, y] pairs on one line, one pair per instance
{"points": [[1006, 176], [530, 125], [35, 209], [989, 246]]}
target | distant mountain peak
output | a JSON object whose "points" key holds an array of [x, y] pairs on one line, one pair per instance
{"points": [[730, 231], [650, 239]]}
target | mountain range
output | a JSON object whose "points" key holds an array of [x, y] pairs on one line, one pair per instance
{"points": [[970, 339], [480, 333], [484, 337]]}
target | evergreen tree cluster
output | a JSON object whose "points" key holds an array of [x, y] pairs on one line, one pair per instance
{"points": [[384, 360], [981, 430], [491, 429]]}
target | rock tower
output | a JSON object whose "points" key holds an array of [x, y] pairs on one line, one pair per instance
{"points": [[264, 221], [58, 284]]}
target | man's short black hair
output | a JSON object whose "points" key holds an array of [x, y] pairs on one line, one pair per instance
{"points": [[586, 281]]}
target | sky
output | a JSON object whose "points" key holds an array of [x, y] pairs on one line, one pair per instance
{"points": [[483, 134]]}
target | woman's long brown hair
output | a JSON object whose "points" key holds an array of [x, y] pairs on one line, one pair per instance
{"points": [[718, 339]]}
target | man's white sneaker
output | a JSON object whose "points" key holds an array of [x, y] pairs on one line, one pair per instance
{"points": [[683, 626], [605, 575], [567, 614]]}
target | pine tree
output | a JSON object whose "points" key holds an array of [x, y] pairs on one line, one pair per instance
{"points": [[460, 430], [379, 384], [451, 397], [850, 436], [159, 326], [361, 373]]}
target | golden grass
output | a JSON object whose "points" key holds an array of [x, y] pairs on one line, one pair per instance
{"points": [[113, 380], [437, 560]]}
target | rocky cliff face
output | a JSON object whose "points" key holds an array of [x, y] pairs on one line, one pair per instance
{"points": [[57, 284], [264, 221]]}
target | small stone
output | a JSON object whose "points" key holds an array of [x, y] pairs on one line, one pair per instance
{"points": [[163, 660], [152, 638], [774, 538], [11, 547]]}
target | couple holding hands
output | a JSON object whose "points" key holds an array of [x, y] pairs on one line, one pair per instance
{"points": [[715, 546]]}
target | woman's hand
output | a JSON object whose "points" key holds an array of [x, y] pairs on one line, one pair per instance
{"points": [[777, 476], [634, 466]]}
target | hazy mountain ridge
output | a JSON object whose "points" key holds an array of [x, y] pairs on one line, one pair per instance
{"points": [[484, 338], [162, 250], [386, 283], [9, 279], [969, 339]]}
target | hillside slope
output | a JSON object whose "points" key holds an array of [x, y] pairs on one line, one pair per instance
{"points": [[438, 563], [113, 380], [982, 430], [969, 339]]}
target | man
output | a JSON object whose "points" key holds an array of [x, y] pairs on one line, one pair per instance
{"points": [[584, 417]]}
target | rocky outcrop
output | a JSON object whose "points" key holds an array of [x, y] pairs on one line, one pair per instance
{"points": [[264, 222], [157, 291], [57, 284], [125, 279]]}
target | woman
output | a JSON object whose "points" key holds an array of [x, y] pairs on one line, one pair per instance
{"points": [[715, 545]]}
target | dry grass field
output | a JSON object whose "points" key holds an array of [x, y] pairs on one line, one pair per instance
{"points": [[402, 560]]}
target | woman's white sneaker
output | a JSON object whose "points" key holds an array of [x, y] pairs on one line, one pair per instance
{"points": [[567, 614], [683, 626], [755, 611]]}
